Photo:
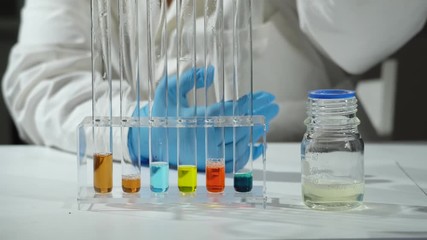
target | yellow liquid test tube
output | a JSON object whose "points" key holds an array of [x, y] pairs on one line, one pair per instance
{"points": [[187, 178]]}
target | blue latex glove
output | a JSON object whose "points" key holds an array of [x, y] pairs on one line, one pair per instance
{"points": [[263, 104]]}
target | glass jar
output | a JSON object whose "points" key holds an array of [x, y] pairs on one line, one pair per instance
{"points": [[332, 168]]}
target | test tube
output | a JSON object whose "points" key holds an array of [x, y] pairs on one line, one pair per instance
{"points": [[214, 94], [101, 96], [129, 74], [157, 72], [186, 64], [242, 86]]}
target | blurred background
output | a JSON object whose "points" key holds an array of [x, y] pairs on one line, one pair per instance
{"points": [[393, 92], [9, 25]]}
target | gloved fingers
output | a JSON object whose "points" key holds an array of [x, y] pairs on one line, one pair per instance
{"points": [[259, 99], [243, 151], [132, 143], [218, 135], [163, 83], [242, 132], [159, 143], [216, 109], [243, 159], [269, 111], [199, 111], [140, 137], [257, 151], [219, 108], [241, 148], [238, 132], [262, 98], [186, 84], [201, 151], [144, 111], [229, 165], [241, 108], [258, 132], [172, 144], [209, 77]]}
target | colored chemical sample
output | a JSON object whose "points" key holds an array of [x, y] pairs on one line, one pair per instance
{"points": [[329, 195], [243, 182], [103, 172], [131, 183], [215, 176], [187, 178], [159, 176]]}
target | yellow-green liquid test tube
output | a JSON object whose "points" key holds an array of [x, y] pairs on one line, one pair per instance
{"points": [[187, 178]]}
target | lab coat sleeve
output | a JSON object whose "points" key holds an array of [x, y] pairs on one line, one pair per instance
{"points": [[47, 85], [356, 34]]}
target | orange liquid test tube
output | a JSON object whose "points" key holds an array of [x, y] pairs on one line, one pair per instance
{"points": [[215, 176], [103, 172], [131, 184]]}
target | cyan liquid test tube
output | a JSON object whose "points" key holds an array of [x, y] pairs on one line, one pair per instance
{"points": [[159, 177], [155, 19]]}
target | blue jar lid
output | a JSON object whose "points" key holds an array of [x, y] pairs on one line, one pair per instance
{"points": [[331, 94]]}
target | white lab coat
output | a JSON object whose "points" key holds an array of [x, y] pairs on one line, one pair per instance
{"points": [[298, 46]]}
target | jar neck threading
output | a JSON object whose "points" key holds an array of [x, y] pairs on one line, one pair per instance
{"points": [[331, 107], [333, 114]]}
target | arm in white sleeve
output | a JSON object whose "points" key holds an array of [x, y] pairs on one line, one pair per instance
{"points": [[47, 85], [357, 34]]}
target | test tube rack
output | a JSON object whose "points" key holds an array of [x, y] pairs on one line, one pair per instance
{"points": [[89, 199], [133, 49]]}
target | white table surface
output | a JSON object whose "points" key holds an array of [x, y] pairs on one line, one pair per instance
{"points": [[38, 201]]}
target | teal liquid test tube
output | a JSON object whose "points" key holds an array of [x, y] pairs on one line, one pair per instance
{"points": [[243, 181], [242, 87]]}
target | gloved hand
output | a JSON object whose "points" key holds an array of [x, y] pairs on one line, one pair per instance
{"points": [[262, 105]]}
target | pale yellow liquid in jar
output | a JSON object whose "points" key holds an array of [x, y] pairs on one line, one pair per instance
{"points": [[332, 195]]}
